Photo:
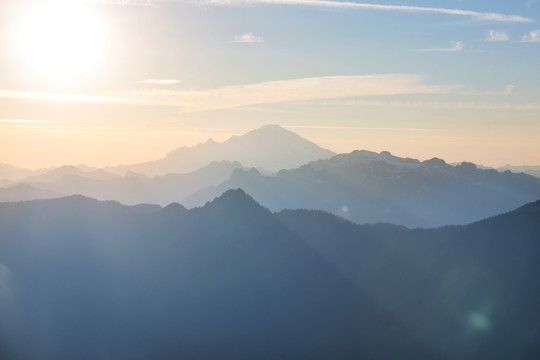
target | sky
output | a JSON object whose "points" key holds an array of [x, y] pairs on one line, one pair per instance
{"points": [[107, 82]]}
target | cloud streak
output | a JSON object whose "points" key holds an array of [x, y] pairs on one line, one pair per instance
{"points": [[323, 127], [66, 97], [238, 96], [484, 16], [284, 91], [532, 36], [457, 46], [477, 15], [497, 36], [248, 38], [125, 2], [437, 105], [21, 121], [160, 81]]}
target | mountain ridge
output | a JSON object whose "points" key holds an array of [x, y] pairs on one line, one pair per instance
{"points": [[256, 148], [219, 284], [232, 279], [367, 187]]}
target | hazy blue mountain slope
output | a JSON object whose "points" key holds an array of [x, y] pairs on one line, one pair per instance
{"points": [[531, 170], [132, 188], [68, 170], [10, 172], [14, 173], [470, 291], [368, 188], [90, 279], [270, 147], [22, 192]]}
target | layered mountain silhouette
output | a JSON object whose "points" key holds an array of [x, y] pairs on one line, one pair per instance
{"points": [[68, 170], [270, 147], [362, 186], [13, 173], [367, 187], [465, 290], [89, 279], [86, 279], [130, 189], [22, 192], [531, 170]]}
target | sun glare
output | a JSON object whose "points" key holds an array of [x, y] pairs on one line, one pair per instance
{"points": [[61, 41]]}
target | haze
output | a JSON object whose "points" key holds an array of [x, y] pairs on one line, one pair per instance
{"points": [[110, 82]]}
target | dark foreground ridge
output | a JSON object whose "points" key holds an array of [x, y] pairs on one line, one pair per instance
{"points": [[86, 279]]}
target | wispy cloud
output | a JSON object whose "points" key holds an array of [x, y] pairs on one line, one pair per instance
{"points": [[508, 89], [237, 96], [160, 81], [125, 2], [457, 46], [486, 16], [477, 15], [323, 127], [289, 91], [437, 105], [531, 36], [21, 121], [248, 38], [497, 36], [66, 97]]}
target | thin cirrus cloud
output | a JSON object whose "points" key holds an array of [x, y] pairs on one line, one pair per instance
{"points": [[477, 15], [269, 92], [124, 2], [437, 105], [160, 81], [497, 36], [248, 38], [285, 91], [532, 36], [486, 16], [67, 97], [457, 46], [25, 121]]}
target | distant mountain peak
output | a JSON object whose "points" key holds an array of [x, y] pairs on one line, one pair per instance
{"points": [[272, 133], [435, 162], [273, 128], [240, 173], [235, 200], [175, 208], [270, 147], [468, 166], [254, 171], [232, 195], [67, 167]]}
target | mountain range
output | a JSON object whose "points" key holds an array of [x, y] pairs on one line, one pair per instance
{"points": [[531, 170], [362, 186], [367, 187], [131, 189], [86, 279]]}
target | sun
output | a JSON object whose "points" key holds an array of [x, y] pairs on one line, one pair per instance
{"points": [[61, 41]]}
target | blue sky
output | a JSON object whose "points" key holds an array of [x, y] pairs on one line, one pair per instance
{"points": [[453, 79]]}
